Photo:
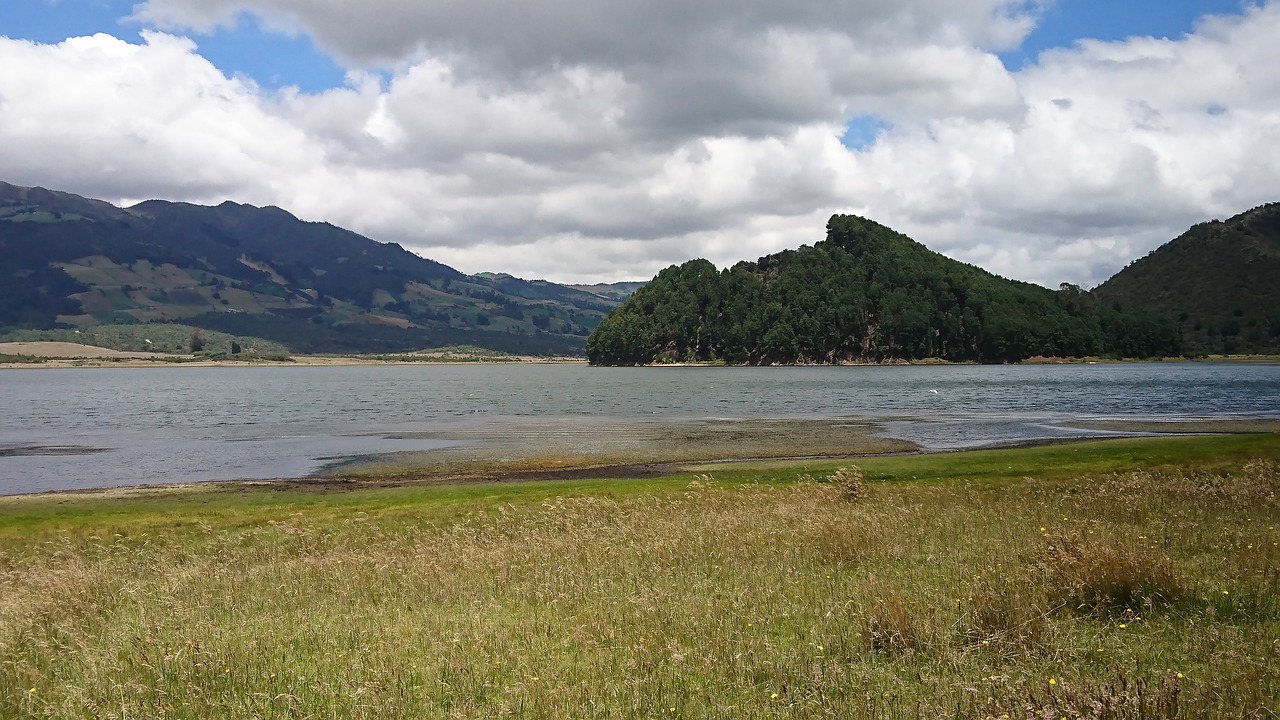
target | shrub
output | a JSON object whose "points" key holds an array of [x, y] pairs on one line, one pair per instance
{"points": [[853, 486]]}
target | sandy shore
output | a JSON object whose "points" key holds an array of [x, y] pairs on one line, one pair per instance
{"points": [[54, 355]]}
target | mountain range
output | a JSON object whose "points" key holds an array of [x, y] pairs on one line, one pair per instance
{"points": [[864, 293], [260, 272]]}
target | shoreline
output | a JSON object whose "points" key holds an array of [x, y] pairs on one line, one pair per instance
{"points": [[61, 355], [641, 469]]}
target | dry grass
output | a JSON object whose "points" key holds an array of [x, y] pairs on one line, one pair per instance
{"points": [[708, 599]]}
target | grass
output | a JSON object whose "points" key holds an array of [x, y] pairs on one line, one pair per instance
{"points": [[1131, 578]]}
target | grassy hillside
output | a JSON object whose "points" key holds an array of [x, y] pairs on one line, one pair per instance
{"points": [[1139, 581], [1221, 280]]}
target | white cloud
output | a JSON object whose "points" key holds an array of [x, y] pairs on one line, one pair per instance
{"points": [[579, 141]]}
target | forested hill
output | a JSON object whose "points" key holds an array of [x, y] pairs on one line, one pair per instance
{"points": [[1220, 280], [865, 294]]}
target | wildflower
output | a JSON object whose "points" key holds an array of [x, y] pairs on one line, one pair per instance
{"points": [[1053, 681], [1124, 625], [1179, 676], [32, 690], [1224, 592], [773, 696]]}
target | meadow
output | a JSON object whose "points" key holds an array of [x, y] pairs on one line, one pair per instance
{"points": [[1104, 579]]}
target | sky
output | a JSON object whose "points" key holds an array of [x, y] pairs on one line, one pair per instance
{"points": [[1044, 140]]}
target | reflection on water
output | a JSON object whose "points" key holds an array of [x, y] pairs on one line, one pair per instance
{"points": [[157, 425]]}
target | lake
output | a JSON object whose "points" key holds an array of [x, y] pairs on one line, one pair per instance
{"points": [[87, 428]]}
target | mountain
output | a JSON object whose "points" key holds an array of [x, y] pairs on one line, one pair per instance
{"points": [[619, 291], [864, 294], [261, 272], [1221, 280]]}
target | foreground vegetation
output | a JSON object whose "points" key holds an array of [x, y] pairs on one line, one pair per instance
{"points": [[1133, 578]]}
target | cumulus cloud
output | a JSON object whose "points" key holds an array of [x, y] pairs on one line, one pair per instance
{"points": [[585, 141]]}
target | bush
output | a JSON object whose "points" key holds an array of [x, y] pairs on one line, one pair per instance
{"points": [[853, 486]]}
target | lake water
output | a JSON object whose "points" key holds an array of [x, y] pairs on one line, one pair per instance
{"points": [[83, 428]]}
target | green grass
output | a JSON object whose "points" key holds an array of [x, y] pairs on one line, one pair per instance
{"points": [[1058, 581]]}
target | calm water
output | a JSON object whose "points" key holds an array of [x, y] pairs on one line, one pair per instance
{"points": [[66, 429]]}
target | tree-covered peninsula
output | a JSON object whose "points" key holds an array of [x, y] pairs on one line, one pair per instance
{"points": [[865, 294]]}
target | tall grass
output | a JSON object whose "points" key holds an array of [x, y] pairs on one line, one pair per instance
{"points": [[1137, 594]]}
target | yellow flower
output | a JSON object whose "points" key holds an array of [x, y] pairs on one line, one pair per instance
{"points": [[1225, 592], [1179, 676], [31, 690], [1053, 681], [773, 696], [1123, 625]]}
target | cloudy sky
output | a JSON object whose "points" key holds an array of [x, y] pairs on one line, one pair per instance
{"points": [[574, 140]]}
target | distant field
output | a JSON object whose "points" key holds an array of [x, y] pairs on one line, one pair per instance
{"points": [[147, 338], [66, 350], [1118, 579]]}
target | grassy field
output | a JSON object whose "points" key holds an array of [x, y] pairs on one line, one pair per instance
{"points": [[1116, 579]]}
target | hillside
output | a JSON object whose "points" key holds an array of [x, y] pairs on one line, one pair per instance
{"points": [[1221, 280], [864, 294], [73, 262], [617, 291]]}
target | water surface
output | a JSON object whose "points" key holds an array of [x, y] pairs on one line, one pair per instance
{"points": [[82, 428]]}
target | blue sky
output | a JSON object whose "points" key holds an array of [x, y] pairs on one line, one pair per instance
{"points": [[274, 60], [1071, 20]]}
